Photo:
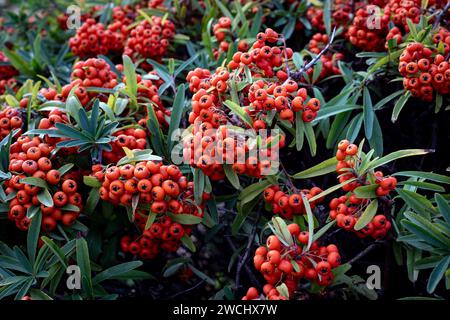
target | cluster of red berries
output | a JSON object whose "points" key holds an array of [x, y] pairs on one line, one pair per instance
{"points": [[289, 264], [29, 157], [366, 32], [7, 74], [329, 60], [222, 30], [210, 149], [289, 204], [10, 119], [6, 71], [423, 74], [161, 187], [223, 34], [346, 210], [163, 234], [133, 139], [94, 38], [285, 98], [264, 58], [92, 72], [341, 14], [150, 39], [347, 158]]}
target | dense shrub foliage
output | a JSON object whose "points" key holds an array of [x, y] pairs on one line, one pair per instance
{"points": [[250, 150]]}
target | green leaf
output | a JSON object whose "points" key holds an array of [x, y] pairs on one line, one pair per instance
{"points": [[59, 254], [92, 201], [444, 207], [65, 168], [186, 219], [424, 175], [366, 192], [150, 219], [281, 228], [91, 182], [368, 113], [310, 136], [422, 233], [253, 190], [199, 185], [45, 198], [399, 105], [188, 243], [153, 127], [33, 236], [437, 274], [84, 263], [417, 202], [237, 110], [310, 219], [299, 131], [202, 276], [397, 155], [38, 182], [283, 290], [331, 189], [381, 104], [232, 176], [367, 215], [376, 141], [115, 271], [320, 169], [323, 230], [176, 114], [130, 74], [422, 185]]}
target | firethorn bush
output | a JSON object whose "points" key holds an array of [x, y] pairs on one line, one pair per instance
{"points": [[255, 150]]}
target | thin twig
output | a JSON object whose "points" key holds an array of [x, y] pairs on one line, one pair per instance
{"points": [[366, 251], [187, 290], [243, 260], [247, 268], [441, 14], [298, 75]]}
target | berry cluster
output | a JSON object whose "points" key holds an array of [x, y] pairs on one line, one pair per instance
{"points": [[10, 119], [29, 157], [163, 188], [347, 158], [289, 264], [94, 38], [264, 57], [164, 234], [92, 72], [289, 204], [7, 74], [150, 39], [285, 98], [422, 73], [222, 30], [363, 34], [133, 139], [6, 71], [346, 210]]}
